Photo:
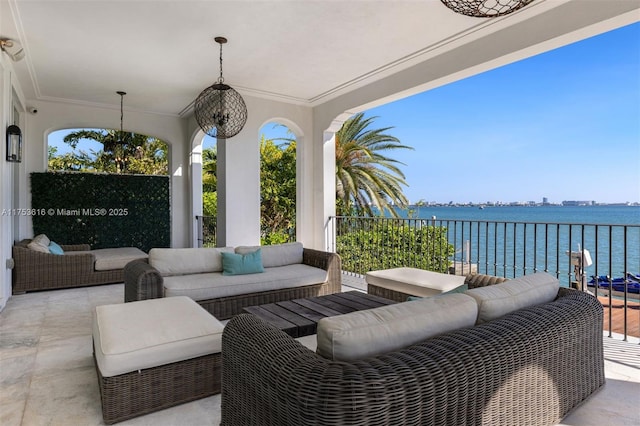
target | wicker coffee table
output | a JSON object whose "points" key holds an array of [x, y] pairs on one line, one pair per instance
{"points": [[299, 317]]}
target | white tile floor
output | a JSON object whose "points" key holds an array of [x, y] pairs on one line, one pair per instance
{"points": [[47, 375]]}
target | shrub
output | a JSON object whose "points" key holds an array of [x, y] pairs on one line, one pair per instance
{"points": [[394, 246]]}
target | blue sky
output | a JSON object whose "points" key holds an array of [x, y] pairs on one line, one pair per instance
{"points": [[563, 125]]}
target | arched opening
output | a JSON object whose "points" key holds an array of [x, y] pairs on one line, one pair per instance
{"points": [[278, 183], [104, 188], [206, 223]]}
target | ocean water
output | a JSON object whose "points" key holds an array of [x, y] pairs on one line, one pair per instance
{"points": [[514, 240], [618, 215]]}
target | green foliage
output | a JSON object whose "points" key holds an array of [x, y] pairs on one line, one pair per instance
{"points": [[209, 170], [210, 204], [277, 237], [277, 191], [129, 153], [365, 177], [102, 210], [387, 246]]}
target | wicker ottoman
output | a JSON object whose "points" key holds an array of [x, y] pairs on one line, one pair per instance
{"points": [[154, 354], [399, 283]]}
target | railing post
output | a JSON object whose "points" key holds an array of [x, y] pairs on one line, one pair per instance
{"points": [[199, 220]]}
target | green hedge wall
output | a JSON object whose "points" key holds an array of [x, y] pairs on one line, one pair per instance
{"points": [[103, 210], [393, 246]]}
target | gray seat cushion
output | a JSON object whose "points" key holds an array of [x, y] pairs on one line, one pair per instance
{"points": [[116, 258], [416, 282], [149, 333], [213, 285]]}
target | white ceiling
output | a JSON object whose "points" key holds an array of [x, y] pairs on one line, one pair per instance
{"points": [[306, 52]]}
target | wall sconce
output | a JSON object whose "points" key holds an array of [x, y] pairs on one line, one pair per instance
{"points": [[14, 144]]}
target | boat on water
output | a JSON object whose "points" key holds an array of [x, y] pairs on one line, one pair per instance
{"points": [[630, 281]]}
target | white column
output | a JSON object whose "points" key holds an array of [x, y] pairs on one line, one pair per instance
{"points": [[324, 185], [5, 189], [328, 188], [196, 191], [238, 171]]}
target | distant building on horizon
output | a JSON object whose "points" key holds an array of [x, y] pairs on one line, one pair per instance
{"points": [[578, 203]]}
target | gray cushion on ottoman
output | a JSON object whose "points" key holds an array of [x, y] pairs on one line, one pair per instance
{"points": [[149, 333]]}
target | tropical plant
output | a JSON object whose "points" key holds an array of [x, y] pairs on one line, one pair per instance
{"points": [[128, 152], [277, 190], [366, 177], [209, 170], [77, 162], [392, 246]]}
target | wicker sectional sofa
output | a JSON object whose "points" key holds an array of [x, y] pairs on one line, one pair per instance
{"points": [[290, 272], [530, 366], [79, 266]]}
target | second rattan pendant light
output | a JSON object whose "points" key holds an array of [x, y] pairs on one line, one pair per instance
{"points": [[485, 8], [220, 110]]}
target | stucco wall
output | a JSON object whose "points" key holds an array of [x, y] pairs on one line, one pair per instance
{"points": [[53, 116]]}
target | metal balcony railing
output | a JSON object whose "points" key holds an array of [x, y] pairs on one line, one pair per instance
{"points": [[508, 249], [206, 226], [206, 231]]}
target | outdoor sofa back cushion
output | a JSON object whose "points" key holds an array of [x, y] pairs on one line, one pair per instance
{"points": [[277, 254], [497, 300], [388, 328], [40, 243], [181, 261]]}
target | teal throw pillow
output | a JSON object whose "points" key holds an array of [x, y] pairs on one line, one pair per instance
{"points": [[55, 248], [459, 289], [242, 264]]}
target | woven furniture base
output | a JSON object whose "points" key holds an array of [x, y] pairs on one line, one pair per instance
{"points": [[472, 281], [141, 392], [44, 271], [529, 367]]}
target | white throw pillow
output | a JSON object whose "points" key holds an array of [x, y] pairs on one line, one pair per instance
{"points": [[39, 243], [181, 261], [277, 254], [388, 328], [497, 300]]}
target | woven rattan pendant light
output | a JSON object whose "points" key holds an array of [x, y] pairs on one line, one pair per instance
{"points": [[485, 8], [220, 110]]}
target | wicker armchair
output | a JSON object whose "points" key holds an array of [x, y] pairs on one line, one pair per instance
{"points": [[44, 271], [531, 366]]}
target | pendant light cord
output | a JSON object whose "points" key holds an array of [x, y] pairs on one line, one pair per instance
{"points": [[121, 112], [221, 78]]}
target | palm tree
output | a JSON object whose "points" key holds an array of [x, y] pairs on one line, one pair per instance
{"points": [[209, 169], [364, 175]]}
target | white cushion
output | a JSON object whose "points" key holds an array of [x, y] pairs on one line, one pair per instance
{"points": [[138, 335], [116, 258], [497, 300], [416, 282], [214, 285], [180, 261], [39, 243], [377, 331], [277, 254]]}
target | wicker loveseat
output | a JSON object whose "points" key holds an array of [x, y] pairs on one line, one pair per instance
{"points": [[79, 266], [530, 366], [290, 272]]}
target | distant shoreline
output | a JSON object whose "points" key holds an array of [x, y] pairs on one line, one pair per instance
{"points": [[523, 204]]}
